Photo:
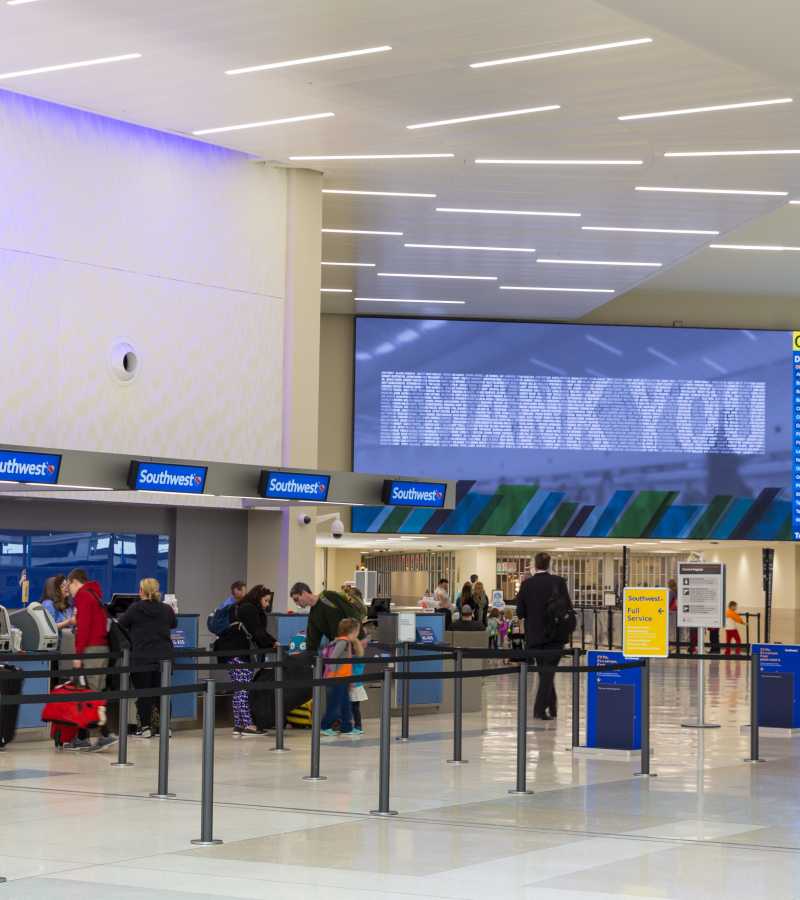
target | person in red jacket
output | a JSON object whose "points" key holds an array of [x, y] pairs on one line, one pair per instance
{"points": [[91, 636]]}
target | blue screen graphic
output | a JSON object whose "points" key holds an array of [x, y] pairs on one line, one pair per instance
{"points": [[147, 476], [29, 468], [414, 493], [614, 431], [294, 486]]}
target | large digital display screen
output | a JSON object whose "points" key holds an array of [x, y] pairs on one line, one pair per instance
{"points": [[577, 430]]}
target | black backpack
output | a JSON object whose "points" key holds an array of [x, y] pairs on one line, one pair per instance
{"points": [[559, 616]]}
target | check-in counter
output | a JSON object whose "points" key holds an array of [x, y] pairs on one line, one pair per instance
{"points": [[284, 626]]}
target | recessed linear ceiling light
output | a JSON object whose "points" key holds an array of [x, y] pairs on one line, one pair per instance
{"points": [[73, 65], [505, 212], [774, 248], [354, 265], [552, 53], [794, 202], [559, 162], [470, 247], [702, 109], [453, 277], [19, 2], [378, 156], [335, 291], [397, 300], [376, 193], [360, 231], [308, 59], [683, 190], [287, 121], [598, 262], [685, 153], [497, 115], [647, 230], [564, 290]]}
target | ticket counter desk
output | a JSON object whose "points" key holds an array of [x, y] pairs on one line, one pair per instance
{"points": [[284, 626]]}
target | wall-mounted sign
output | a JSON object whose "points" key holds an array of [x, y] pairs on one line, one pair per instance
{"points": [[294, 486], [166, 477], [414, 493], [701, 595], [29, 468]]}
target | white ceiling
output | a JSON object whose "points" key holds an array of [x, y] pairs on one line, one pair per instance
{"points": [[714, 52]]}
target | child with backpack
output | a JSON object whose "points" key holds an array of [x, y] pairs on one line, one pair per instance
{"points": [[358, 693], [339, 708]]}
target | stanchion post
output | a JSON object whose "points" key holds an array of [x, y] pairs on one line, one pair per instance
{"points": [[386, 740], [163, 735], [124, 686], [316, 724], [701, 686], [646, 773], [522, 730], [207, 838], [458, 717], [280, 712], [405, 697], [576, 699], [755, 673]]}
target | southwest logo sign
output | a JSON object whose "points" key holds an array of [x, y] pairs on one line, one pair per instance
{"points": [[294, 486], [166, 477], [414, 493], [29, 468]]}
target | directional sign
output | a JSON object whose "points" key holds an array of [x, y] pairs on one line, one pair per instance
{"points": [[701, 595], [645, 622]]}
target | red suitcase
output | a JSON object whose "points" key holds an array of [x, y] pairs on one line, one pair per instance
{"points": [[68, 717]]}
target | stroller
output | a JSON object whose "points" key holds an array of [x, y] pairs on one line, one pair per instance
{"points": [[69, 717]]}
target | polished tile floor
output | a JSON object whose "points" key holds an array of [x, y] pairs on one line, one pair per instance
{"points": [[710, 825]]}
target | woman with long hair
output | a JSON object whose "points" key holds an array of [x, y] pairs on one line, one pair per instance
{"points": [[248, 632], [466, 596], [56, 600]]}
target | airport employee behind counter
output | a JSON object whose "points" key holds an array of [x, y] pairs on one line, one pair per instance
{"points": [[325, 611]]}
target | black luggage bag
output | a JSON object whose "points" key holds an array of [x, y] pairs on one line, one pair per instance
{"points": [[262, 703], [9, 687]]}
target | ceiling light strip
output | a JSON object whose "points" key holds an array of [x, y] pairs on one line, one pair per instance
{"points": [[335, 291], [688, 153], [505, 212], [308, 59], [407, 300], [562, 290], [647, 230], [774, 248], [73, 65], [264, 124], [473, 247], [683, 190], [376, 193], [361, 231], [354, 265], [599, 262], [592, 48], [424, 275], [363, 156], [478, 118], [559, 162], [703, 109]]}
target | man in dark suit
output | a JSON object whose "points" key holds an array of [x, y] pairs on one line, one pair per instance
{"points": [[532, 599]]}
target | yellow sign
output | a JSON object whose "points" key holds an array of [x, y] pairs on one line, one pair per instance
{"points": [[796, 340], [645, 622]]}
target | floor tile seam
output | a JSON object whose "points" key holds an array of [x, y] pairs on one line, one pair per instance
{"points": [[622, 835], [68, 868]]}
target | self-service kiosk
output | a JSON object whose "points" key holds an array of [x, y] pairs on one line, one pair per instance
{"points": [[39, 632]]}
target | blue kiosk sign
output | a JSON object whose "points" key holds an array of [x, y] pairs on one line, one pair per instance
{"points": [[778, 685], [613, 703]]}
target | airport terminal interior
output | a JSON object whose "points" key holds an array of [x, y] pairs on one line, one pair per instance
{"points": [[345, 552]]}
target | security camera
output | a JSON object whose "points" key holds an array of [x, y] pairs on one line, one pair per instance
{"points": [[337, 528], [304, 519]]}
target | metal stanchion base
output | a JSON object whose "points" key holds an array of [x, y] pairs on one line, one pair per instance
{"points": [[383, 814], [699, 725], [516, 793], [280, 750], [645, 774], [457, 762], [402, 740], [754, 761], [315, 777], [162, 796], [121, 765], [199, 842]]}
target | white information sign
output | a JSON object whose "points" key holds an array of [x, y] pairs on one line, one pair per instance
{"points": [[701, 595], [406, 627]]}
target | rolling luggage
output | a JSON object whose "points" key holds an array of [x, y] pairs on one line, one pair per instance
{"points": [[67, 718], [262, 703], [300, 716], [9, 687]]}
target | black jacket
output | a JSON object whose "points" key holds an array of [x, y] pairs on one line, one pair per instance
{"points": [[532, 600], [254, 619], [149, 624]]}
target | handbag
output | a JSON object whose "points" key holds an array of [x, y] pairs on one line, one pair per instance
{"points": [[358, 693]]}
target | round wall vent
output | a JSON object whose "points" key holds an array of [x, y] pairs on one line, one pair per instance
{"points": [[124, 361]]}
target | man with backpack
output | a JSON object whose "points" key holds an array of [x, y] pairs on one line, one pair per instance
{"points": [[325, 611], [544, 605], [220, 620]]}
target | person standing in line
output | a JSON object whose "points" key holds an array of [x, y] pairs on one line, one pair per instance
{"points": [[56, 600], [493, 628], [480, 603], [732, 619], [91, 636], [465, 598], [442, 594], [219, 620], [339, 707], [149, 622], [535, 595]]}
